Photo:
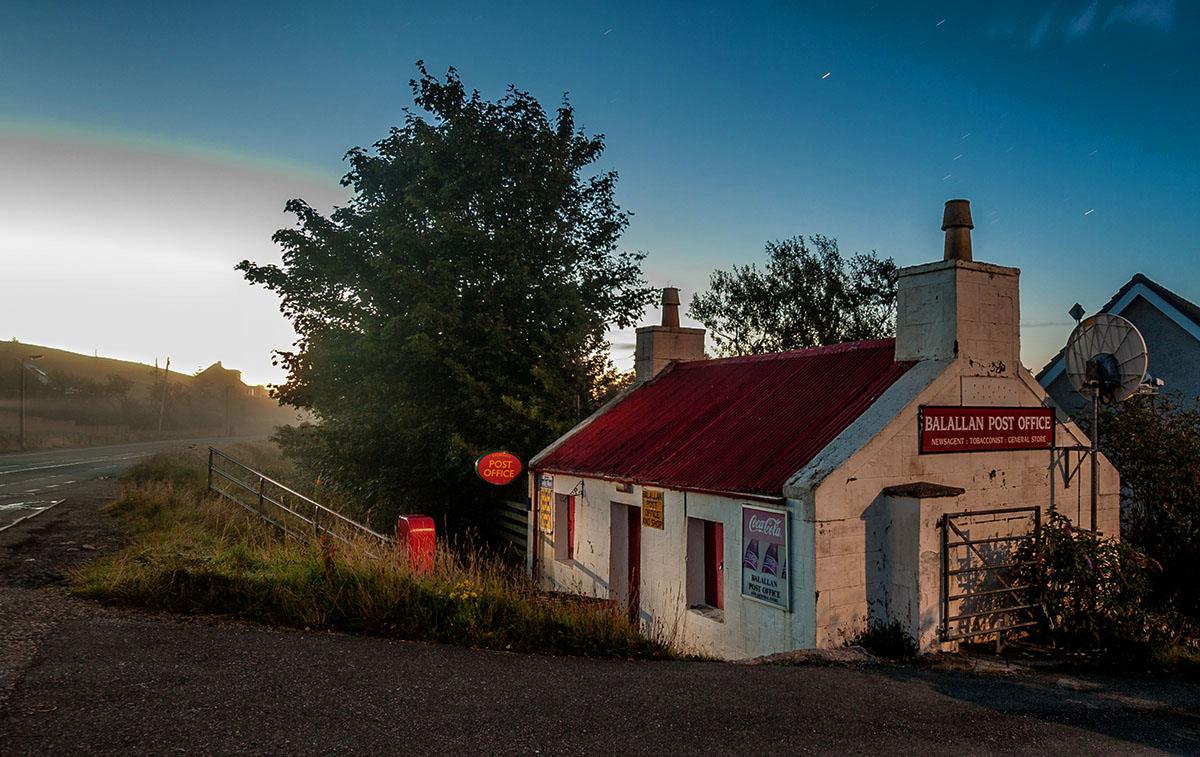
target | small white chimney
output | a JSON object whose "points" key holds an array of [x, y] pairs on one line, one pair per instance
{"points": [[657, 346], [958, 307]]}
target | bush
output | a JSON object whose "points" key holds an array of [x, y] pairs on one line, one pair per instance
{"points": [[1155, 443], [1090, 590], [888, 640]]}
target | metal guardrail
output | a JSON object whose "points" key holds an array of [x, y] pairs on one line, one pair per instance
{"points": [[289, 511]]}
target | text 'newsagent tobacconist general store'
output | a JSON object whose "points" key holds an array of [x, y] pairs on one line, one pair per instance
{"points": [[760, 504]]}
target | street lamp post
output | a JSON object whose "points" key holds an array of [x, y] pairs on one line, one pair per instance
{"points": [[21, 415]]}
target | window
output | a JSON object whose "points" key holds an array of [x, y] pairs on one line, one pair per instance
{"points": [[564, 527], [706, 565]]}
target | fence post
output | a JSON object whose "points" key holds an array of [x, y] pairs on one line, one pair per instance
{"points": [[210, 462], [261, 507], [945, 625], [316, 521]]}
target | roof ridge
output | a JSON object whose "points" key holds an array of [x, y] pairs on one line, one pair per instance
{"points": [[828, 349]]}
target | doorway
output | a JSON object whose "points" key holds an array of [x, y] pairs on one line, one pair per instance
{"points": [[625, 558]]}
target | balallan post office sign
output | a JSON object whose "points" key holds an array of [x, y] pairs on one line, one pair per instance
{"points": [[984, 429]]}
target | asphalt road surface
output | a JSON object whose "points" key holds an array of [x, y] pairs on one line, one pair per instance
{"points": [[77, 677], [33, 482]]}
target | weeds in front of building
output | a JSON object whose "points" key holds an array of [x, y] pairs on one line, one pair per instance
{"points": [[887, 640], [194, 554]]}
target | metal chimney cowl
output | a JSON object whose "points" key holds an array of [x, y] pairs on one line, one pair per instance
{"points": [[956, 222], [670, 307]]}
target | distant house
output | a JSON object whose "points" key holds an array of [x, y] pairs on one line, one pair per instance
{"points": [[1170, 325]]}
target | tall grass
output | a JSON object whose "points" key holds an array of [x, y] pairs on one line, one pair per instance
{"points": [[196, 554]]}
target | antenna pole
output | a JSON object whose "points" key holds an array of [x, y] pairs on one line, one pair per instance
{"points": [[1095, 455]]}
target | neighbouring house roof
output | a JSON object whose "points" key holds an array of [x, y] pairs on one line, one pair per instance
{"points": [[1183, 312], [736, 425]]}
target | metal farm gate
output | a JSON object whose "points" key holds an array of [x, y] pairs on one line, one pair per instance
{"points": [[980, 593]]}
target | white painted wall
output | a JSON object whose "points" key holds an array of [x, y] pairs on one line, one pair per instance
{"points": [[746, 629], [848, 558]]}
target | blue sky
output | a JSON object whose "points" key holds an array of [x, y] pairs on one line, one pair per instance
{"points": [[148, 148]]}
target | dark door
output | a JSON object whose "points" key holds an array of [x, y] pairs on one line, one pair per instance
{"points": [[714, 564], [635, 562]]}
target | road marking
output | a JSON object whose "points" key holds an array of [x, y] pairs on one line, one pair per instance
{"points": [[32, 491], [28, 504], [75, 462], [33, 514]]}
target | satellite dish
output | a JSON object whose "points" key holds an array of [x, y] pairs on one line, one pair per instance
{"points": [[1106, 356]]}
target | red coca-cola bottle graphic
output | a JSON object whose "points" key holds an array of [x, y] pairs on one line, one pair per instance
{"points": [[770, 563], [750, 559]]}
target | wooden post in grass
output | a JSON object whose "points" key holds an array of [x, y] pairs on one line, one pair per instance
{"points": [[162, 406]]}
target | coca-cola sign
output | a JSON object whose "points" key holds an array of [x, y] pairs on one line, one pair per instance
{"points": [[765, 555], [767, 526]]}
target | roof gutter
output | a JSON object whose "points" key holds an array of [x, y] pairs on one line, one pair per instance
{"points": [[766, 498]]}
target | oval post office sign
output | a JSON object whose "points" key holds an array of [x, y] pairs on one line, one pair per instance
{"points": [[498, 468]]}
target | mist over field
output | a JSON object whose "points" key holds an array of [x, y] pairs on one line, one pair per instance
{"points": [[75, 400]]}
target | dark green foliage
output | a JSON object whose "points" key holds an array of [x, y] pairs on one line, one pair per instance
{"points": [[1091, 590], [1155, 443], [457, 304], [805, 297], [888, 640]]}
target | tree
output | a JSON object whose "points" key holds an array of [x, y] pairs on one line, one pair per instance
{"points": [[457, 304], [805, 297], [1155, 443]]}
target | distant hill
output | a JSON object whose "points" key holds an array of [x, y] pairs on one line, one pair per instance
{"points": [[79, 400]]}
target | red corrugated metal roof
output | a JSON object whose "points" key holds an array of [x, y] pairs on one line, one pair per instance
{"points": [[743, 424]]}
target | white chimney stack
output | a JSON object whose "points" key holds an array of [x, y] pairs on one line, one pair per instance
{"points": [[658, 346], [958, 307]]}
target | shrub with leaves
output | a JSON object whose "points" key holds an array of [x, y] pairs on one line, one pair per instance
{"points": [[1090, 590], [888, 640], [1155, 443]]}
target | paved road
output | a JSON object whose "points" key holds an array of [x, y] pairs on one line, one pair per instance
{"points": [[32, 482], [127, 685]]}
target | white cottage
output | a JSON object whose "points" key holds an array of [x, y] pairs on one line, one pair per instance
{"points": [[759, 504]]}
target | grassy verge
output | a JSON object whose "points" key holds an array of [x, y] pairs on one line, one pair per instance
{"points": [[195, 554]]}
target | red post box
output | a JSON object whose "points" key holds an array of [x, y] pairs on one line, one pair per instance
{"points": [[415, 537]]}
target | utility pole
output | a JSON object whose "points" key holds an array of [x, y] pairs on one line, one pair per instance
{"points": [[21, 427], [1095, 455], [162, 407]]}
